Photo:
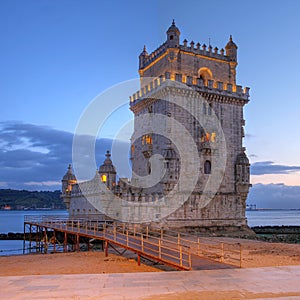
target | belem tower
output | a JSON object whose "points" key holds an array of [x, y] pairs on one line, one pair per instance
{"points": [[187, 145]]}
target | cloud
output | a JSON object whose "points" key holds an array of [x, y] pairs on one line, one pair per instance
{"points": [[269, 167], [277, 196], [36, 157]]}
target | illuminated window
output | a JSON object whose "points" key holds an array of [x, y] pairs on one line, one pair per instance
{"points": [[147, 139], [207, 136], [213, 137], [207, 167], [103, 178]]}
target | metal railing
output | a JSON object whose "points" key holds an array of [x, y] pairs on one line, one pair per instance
{"points": [[122, 235]]}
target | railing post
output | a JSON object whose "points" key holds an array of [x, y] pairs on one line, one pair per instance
{"points": [[133, 229], [115, 233], [190, 259], [241, 259], [104, 229], [127, 238], [54, 241], [147, 231], [94, 228], [78, 226], [161, 233], [142, 242], [123, 228], [65, 242], [159, 248], [222, 253], [180, 255], [198, 246], [178, 238]]}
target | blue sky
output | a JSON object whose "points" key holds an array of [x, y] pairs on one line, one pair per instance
{"points": [[56, 56]]}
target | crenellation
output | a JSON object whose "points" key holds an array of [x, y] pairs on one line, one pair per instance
{"points": [[216, 86], [164, 49]]}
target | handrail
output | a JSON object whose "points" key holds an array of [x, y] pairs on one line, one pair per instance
{"points": [[163, 243]]}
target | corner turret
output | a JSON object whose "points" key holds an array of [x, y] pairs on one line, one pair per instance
{"points": [[143, 57], [173, 35], [231, 49], [68, 181], [108, 172], [242, 173]]}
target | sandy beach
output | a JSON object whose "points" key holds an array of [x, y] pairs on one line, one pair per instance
{"points": [[255, 254]]}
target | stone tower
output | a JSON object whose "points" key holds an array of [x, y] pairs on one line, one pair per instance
{"points": [[209, 74], [171, 139]]}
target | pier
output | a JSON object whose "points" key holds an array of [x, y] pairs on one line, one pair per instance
{"points": [[179, 250]]}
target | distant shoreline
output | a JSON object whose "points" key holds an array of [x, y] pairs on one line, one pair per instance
{"points": [[273, 209], [56, 209]]}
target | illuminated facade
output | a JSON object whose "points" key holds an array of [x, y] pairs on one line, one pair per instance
{"points": [[209, 73]]}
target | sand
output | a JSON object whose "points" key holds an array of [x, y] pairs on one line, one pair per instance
{"points": [[255, 254], [69, 263]]}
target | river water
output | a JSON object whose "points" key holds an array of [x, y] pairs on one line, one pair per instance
{"points": [[13, 221]]}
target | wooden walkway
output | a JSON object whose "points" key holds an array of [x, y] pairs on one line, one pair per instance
{"points": [[181, 251]]}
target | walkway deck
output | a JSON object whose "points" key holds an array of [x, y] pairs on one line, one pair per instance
{"points": [[183, 252], [263, 283]]}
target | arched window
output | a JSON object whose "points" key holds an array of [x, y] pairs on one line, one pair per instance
{"points": [[207, 167], [205, 74]]}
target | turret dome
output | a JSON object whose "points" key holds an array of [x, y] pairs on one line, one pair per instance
{"points": [[107, 166], [69, 175]]}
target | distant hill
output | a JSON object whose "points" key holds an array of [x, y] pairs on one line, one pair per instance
{"points": [[23, 199]]}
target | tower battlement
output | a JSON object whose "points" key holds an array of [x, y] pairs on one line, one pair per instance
{"points": [[198, 49], [210, 86]]}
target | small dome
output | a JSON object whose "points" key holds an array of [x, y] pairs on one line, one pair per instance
{"points": [[230, 44], [242, 159], [144, 52], [173, 28], [107, 166], [69, 175]]}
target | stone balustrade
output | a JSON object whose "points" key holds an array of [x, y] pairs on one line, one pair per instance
{"points": [[197, 84]]}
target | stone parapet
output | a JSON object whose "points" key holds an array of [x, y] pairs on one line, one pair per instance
{"points": [[197, 84], [201, 50]]}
